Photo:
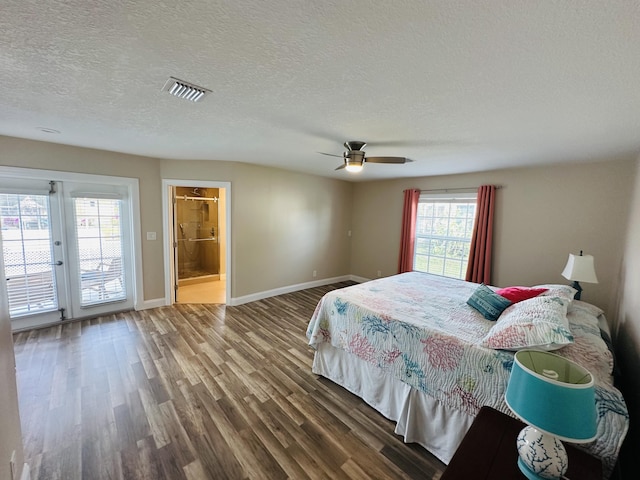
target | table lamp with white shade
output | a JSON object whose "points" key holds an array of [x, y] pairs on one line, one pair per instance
{"points": [[556, 398], [580, 268]]}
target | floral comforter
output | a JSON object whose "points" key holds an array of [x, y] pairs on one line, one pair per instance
{"points": [[419, 328]]}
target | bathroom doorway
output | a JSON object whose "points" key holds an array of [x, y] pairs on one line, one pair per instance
{"points": [[198, 228]]}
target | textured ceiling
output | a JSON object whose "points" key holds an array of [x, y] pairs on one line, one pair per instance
{"points": [[457, 86]]}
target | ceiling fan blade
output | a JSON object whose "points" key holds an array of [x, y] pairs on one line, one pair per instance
{"points": [[385, 159], [330, 154], [416, 143], [341, 166]]}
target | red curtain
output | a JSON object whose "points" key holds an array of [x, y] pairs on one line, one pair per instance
{"points": [[479, 267], [408, 238]]}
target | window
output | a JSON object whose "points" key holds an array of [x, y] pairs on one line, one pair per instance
{"points": [[99, 237], [27, 252], [444, 226]]}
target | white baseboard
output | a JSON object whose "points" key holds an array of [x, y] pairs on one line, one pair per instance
{"points": [[154, 303], [161, 302], [288, 289], [358, 279]]}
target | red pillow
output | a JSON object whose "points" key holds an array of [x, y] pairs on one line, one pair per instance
{"points": [[518, 294]]}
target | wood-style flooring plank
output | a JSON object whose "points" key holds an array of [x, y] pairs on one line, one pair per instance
{"points": [[199, 392]]}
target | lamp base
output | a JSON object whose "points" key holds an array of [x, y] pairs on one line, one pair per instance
{"points": [[528, 473], [577, 286], [542, 456]]}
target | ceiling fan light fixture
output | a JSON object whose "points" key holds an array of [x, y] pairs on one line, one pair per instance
{"points": [[353, 167], [354, 158]]}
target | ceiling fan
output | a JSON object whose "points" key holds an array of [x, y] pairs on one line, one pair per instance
{"points": [[354, 157]]}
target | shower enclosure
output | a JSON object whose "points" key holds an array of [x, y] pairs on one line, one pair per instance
{"points": [[196, 234]]}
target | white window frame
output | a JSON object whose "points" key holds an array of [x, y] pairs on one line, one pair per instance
{"points": [[458, 197], [131, 185], [101, 265]]}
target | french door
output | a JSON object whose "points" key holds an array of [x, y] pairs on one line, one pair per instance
{"points": [[65, 250]]}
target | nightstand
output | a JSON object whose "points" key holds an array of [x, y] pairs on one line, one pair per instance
{"points": [[488, 452]]}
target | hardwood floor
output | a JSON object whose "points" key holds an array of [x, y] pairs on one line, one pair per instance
{"points": [[199, 392]]}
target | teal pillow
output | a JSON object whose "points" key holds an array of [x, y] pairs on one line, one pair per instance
{"points": [[488, 302]]}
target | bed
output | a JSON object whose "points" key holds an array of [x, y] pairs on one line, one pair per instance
{"points": [[412, 348]]}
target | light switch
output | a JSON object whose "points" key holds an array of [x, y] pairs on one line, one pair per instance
{"points": [[151, 235]]}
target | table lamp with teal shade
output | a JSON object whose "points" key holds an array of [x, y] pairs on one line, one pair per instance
{"points": [[556, 398]]}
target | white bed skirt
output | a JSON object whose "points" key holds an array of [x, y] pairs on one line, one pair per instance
{"points": [[419, 418]]}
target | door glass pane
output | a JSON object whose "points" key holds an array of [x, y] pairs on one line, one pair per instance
{"points": [[98, 232], [27, 252]]}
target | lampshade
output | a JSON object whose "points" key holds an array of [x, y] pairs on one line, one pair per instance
{"points": [[580, 268], [554, 395]]}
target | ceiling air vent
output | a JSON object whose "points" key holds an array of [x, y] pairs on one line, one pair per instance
{"points": [[186, 90]]}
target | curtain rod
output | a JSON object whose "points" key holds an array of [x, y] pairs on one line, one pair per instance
{"points": [[447, 190]]}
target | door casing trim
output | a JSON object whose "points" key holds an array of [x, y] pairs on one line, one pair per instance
{"points": [[132, 185], [167, 223]]}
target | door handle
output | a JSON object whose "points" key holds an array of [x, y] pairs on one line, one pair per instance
{"points": [[59, 262]]}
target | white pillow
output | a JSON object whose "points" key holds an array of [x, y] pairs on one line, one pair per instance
{"points": [[562, 291], [539, 322]]}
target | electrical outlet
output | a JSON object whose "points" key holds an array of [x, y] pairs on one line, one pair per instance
{"points": [[379, 273], [315, 273], [348, 233]]}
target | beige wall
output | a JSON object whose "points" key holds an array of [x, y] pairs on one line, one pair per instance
{"points": [[284, 225], [17, 152], [542, 214], [627, 330]]}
